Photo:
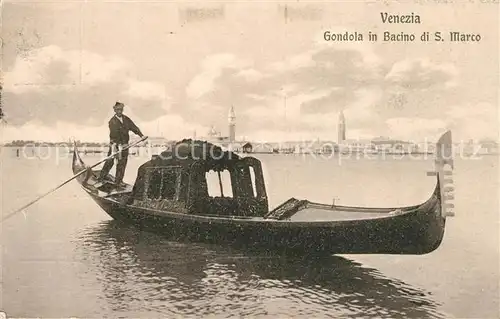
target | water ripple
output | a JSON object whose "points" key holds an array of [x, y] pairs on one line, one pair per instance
{"points": [[143, 275]]}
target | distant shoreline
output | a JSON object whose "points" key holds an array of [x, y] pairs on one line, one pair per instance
{"points": [[142, 151]]}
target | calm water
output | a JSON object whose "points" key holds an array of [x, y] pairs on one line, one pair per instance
{"points": [[66, 257]]}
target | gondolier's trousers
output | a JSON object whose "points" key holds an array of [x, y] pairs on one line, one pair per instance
{"points": [[121, 164]]}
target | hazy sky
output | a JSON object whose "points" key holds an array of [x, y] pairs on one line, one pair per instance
{"points": [[179, 67]]}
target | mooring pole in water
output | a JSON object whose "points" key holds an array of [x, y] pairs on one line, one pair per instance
{"points": [[334, 201]]}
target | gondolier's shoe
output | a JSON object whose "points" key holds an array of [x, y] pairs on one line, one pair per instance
{"points": [[120, 185]]}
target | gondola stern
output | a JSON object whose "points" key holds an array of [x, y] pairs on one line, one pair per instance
{"points": [[434, 246], [443, 170]]}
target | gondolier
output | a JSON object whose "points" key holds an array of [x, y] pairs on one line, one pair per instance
{"points": [[119, 127]]}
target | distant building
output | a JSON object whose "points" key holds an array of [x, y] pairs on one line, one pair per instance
{"points": [[153, 141], [232, 125], [328, 149], [306, 147], [263, 148], [488, 146], [427, 147], [357, 146], [387, 145], [228, 142], [247, 148], [473, 148], [341, 128], [345, 145]]}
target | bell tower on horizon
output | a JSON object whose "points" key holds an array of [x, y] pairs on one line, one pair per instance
{"points": [[232, 124], [341, 127]]}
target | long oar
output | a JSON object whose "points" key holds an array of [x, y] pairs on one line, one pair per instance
{"points": [[70, 179]]}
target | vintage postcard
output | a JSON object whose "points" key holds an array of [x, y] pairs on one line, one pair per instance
{"points": [[260, 159]]}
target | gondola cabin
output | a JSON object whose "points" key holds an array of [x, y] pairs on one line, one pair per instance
{"points": [[197, 177]]}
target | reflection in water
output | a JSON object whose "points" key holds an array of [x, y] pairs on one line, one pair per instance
{"points": [[142, 275]]}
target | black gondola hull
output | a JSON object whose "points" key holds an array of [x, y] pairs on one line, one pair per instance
{"points": [[417, 233], [414, 230]]}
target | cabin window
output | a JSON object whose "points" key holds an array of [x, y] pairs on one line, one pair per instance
{"points": [[252, 179], [247, 181], [165, 183], [219, 183], [183, 187]]}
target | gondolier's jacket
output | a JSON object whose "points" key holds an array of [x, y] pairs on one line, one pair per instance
{"points": [[119, 132]]}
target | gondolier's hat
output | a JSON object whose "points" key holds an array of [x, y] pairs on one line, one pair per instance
{"points": [[118, 105]]}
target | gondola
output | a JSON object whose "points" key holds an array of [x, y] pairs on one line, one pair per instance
{"points": [[170, 196]]}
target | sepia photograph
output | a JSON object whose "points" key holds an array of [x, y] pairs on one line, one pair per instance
{"points": [[249, 159]]}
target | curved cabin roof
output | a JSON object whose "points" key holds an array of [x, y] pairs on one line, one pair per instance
{"points": [[188, 151]]}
